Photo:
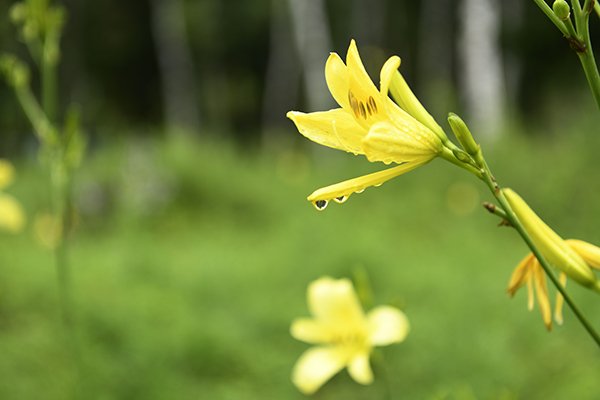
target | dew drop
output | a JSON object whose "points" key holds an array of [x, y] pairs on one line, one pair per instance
{"points": [[377, 185], [320, 204], [360, 190], [341, 199]]}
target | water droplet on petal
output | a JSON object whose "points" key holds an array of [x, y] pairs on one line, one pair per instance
{"points": [[320, 204], [360, 190], [377, 185], [340, 199]]}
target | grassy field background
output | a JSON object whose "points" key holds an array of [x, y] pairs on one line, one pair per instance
{"points": [[191, 258]]}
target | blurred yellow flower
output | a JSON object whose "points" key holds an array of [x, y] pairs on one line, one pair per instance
{"points": [[368, 122], [7, 173], [530, 272], [12, 217], [344, 334]]}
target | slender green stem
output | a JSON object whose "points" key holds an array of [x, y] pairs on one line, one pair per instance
{"points": [[551, 16], [597, 8], [591, 73], [578, 13], [449, 155], [49, 89], [494, 209], [490, 181], [571, 29], [586, 57], [41, 125]]}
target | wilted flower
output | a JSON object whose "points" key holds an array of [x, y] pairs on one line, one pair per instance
{"points": [[368, 122], [554, 249], [344, 334], [530, 272], [574, 259]]}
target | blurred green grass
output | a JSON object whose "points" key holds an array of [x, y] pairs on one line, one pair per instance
{"points": [[190, 260]]}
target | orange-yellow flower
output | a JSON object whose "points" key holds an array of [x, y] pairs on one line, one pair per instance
{"points": [[575, 259], [529, 272]]}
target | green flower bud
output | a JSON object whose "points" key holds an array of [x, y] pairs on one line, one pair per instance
{"points": [[561, 9], [462, 133]]}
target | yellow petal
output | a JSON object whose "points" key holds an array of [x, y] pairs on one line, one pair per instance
{"points": [[530, 293], [316, 366], [310, 331], [334, 301], [387, 73], [360, 81], [520, 274], [7, 173], [407, 100], [387, 325], [541, 291], [558, 317], [338, 79], [12, 217], [389, 143], [360, 369], [356, 185], [364, 100], [587, 251], [334, 128]]}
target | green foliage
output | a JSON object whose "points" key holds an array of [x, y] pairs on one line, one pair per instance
{"points": [[191, 260]]}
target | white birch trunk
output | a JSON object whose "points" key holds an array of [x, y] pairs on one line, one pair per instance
{"points": [[482, 71], [175, 63], [282, 76], [313, 42]]}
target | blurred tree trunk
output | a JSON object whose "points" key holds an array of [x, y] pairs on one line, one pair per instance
{"points": [[313, 43], [514, 16], [435, 57], [481, 63], [175, 63], [283, 73]]}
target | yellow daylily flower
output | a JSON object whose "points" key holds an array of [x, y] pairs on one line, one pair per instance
{"points": [[344, 334], [369, 123], [530, 272], [12, 217]]}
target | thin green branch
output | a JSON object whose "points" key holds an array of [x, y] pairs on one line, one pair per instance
{"points": [[578, 13], [552, 17], [586, 57], [41, 125]]}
